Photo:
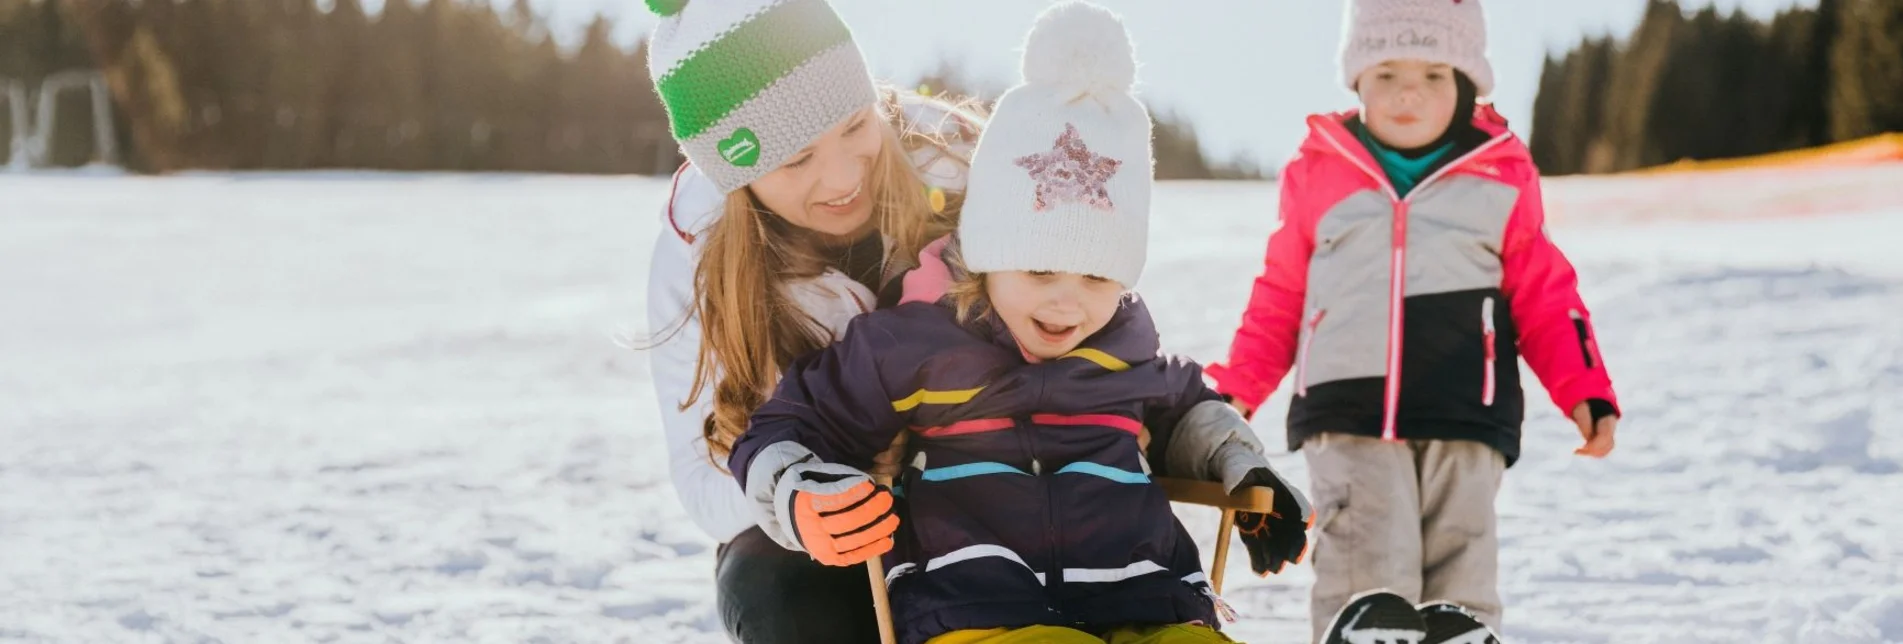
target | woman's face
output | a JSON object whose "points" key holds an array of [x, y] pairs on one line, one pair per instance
{"points": [[823, 188]]}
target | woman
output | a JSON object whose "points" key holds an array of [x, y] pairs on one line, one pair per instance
{"points": [[807, 191]]}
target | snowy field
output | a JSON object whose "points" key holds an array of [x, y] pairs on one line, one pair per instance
{"points": [[399, 408]]}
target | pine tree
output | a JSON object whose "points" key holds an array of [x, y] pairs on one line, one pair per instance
{"points": [[1867, 87], [1589, 143], [655, 151], [341, 107], [1569, 109], [1635, 80], [1792, 94], [1819, 90], [395, 116], [293, 86], [588, 106], [1548, 118]]}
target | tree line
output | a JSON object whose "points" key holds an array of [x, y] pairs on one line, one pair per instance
{"points": [[439, 85], [1711, 86]]}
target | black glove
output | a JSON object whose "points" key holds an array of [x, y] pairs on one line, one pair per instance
{"points": [[1277, 538]]}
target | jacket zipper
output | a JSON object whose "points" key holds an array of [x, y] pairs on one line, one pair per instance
{"points": [[1056, 575], [1397, 275], [1397, 309], [1050, 520], [1027, 429], [1487, 336], [1301, 362]]}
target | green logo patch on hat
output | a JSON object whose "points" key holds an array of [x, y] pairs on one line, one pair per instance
{"points": [[741, 149]]}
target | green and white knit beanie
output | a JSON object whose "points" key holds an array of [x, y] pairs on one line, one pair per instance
{"points": [[748, 83]]}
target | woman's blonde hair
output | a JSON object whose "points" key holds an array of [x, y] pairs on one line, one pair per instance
{"points": [[751, 330]]}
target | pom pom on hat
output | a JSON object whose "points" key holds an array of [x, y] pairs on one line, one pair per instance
{"points": [[1079, 46]]}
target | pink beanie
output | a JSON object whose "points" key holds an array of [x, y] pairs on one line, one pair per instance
{"points": [[1453, 32]]}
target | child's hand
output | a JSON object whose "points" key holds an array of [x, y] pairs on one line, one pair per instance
{"points": [[841, 516], [1597, 434], [1278, 538]]}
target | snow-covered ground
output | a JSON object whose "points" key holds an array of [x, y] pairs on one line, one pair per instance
{"points": [[286, 408]]}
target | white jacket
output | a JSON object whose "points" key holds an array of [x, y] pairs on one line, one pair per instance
{"points": [[711, 496]]}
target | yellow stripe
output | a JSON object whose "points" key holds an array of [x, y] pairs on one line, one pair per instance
{"points": [[927, 397], [1102, 359]]}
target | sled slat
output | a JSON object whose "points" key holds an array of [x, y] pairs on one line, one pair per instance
{"points": [[881, 596], [1210, 493], [1222, 550]]}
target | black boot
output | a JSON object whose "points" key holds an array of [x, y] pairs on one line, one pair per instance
{"points": [[1377, 617], [1448, 623]]}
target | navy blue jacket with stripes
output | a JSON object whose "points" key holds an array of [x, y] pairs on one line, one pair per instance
{"points": [[1025, 499]]}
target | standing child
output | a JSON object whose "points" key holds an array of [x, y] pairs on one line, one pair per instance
{"points": [[1026, 375], [1410, 272]]}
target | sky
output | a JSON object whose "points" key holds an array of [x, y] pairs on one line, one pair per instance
{"points": [[1245, 72]]}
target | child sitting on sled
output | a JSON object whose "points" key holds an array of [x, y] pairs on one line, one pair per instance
{"points": [[1025, 373]]}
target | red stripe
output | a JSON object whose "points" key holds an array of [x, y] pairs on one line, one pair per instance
{"points": [[965, 427], [1397, 291], [1487, 388], [1105, 420], [1301, 366]]}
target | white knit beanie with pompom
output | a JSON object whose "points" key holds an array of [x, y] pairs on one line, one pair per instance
{"points": [[1061, 179]]}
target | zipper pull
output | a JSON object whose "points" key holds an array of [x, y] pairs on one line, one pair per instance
{"points": [[1037, 468], [1223, 609]]}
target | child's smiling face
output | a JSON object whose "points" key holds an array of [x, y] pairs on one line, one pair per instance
{"points": [[1407, 104], [1051, 313]]}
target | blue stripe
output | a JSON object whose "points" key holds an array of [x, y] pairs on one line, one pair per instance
{"points": [[970, 469], [1114, 474]]}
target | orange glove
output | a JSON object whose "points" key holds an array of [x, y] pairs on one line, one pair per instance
{"points": [[839, 514]]}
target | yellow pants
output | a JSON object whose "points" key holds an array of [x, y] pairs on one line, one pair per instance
{"points": [[1171, 634]]}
